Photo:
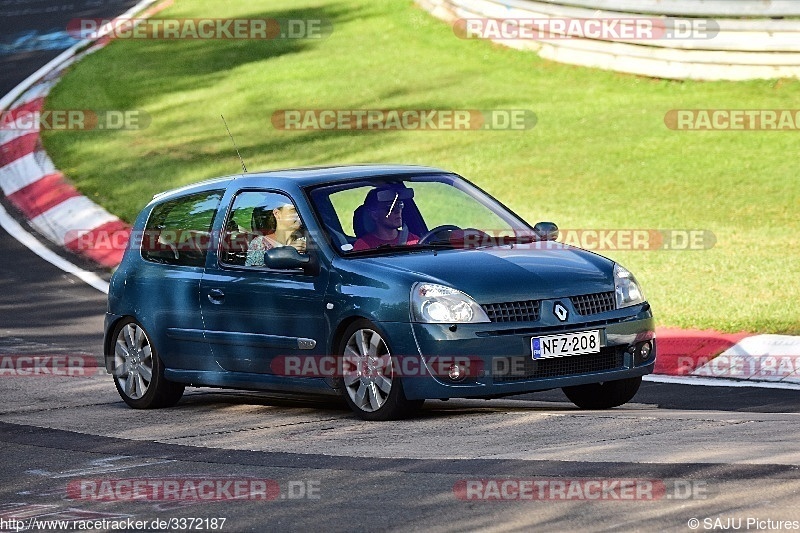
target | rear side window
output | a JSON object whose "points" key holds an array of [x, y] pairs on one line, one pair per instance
{"points": [[178, 232]]}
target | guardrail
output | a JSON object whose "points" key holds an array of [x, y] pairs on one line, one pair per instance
{"points": [[750, 40]]}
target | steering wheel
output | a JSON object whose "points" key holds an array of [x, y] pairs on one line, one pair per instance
{"points": [[425, 239]]}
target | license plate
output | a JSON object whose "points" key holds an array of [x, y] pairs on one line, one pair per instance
{"points": [[566, 344]]}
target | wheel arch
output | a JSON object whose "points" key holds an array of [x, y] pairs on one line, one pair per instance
{"points": [[341, 327], [109, 339]]}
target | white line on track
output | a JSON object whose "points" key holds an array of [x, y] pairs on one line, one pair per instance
{"points": [[6, 221], [18, 232], [720, 382]]}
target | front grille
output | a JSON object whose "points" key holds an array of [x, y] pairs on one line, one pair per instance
{"points": [[591, 304], [526, 311], [609, 358]]}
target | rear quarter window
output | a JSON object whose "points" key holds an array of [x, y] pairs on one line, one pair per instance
{"points": [[178, 232]]}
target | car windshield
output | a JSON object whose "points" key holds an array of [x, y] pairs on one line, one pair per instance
{"points": [[391, 214]]}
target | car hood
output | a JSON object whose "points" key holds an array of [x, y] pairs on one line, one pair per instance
{"points": [[504, 274]]}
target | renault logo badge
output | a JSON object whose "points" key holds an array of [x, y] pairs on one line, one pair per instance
{"points": [[560, 311]]}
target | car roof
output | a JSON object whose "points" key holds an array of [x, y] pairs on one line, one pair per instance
{"points": [[330, 174], [304, 176]]}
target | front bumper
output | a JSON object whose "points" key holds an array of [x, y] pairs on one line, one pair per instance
{"points": [[499, 361]]}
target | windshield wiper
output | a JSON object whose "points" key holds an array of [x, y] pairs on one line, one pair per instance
{"points": [[427, 245]]}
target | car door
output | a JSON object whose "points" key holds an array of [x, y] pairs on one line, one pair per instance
{"points": [[253, 314]]}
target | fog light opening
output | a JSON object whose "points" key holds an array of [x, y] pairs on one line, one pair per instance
{"points": [[456, 373], [645, 350]]}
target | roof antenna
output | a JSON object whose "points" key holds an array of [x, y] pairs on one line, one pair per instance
{"points": [[244, 168]]}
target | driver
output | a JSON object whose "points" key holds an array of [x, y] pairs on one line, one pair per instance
{"points": [[385, 209]]}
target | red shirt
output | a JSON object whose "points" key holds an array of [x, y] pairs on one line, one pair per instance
{"points": [[370, 241]]}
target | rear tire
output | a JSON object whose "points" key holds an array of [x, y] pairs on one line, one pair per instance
{"points": [[370, 386], [139, 371], [603, 395]]}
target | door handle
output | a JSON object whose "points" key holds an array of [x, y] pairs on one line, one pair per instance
{"points": [[216, 296]]}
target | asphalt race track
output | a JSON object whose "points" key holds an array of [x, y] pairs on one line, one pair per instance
{"points": [[692, 452]]}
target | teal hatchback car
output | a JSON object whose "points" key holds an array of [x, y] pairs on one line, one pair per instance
{"points": [[384, 284]]}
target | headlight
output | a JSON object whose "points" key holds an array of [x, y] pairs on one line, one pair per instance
{"points": [[626, 288], [439, 304]]}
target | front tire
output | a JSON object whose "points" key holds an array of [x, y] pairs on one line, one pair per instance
{"points": [[139, 371], [370, 385], [603, 395]]}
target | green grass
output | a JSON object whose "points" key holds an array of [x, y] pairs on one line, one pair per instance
{"points": [[600, 155]]}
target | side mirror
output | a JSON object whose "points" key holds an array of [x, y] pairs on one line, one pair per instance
{"points": [[546, 231], [285, 258]]}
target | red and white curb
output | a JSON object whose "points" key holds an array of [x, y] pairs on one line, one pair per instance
{"points": [[30, 181], [705, 357]]}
